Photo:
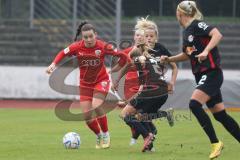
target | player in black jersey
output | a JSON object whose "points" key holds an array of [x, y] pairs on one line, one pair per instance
{"points": [[154, 91], [150, 31], [200, 42]]}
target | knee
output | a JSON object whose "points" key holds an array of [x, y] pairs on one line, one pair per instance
{"points": [[89, 116], [89, 121], [123, 114], [194, 105]]}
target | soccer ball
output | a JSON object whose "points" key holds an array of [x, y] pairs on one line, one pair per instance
{"points": [[71, 140]]}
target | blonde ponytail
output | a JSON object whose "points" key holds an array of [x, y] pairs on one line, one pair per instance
{"points": [[190, 8], [198, 15]]}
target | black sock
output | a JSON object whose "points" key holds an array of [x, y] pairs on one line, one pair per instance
{"points": [[137, 125], [153, 128], [150, 127], [203, 119], [229, 123], [147, 126], [135, 134]]}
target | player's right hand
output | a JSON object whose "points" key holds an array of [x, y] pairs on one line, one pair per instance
{"points": [[164, 59], [51, 68]]}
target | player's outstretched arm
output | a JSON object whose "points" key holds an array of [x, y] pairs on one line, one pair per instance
{"points": [[177, 58], [69, 51]]}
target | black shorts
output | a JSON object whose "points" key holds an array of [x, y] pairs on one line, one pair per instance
{"points": [[150, 99], [210, 83], [151, 105]]}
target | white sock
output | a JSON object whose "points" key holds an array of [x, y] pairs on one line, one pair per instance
{"points": [[99, 135], [105, 133]]}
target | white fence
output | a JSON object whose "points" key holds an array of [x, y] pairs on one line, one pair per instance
{"points": [[32, 83]]}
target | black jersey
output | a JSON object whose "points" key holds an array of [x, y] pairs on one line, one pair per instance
{"points": [[153, 71], [159, 50], [195, 39]]}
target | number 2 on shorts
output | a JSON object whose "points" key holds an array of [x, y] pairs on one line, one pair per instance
{"points": [[202, 80]]}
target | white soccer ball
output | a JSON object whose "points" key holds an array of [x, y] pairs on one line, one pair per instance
{"points": [[71, 140]]}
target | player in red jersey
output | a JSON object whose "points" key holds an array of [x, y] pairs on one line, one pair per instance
{"points": [[94, 80], [131, 80]]}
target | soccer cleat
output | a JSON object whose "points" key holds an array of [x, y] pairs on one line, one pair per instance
{"points": [[147, 142], [170, 116], [132, 142], [216, 149], [151, 148], [106, 141], [99, 141]]}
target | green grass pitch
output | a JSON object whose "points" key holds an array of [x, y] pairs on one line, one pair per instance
{"points": [[36, 134]]}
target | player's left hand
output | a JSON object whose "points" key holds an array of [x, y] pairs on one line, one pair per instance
{"points": [[202, 56]]}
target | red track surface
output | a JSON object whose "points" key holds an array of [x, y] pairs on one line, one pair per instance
{"points": [[30, 104]]}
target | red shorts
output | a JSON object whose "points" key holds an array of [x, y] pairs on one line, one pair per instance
{"points": [[87, 89]]}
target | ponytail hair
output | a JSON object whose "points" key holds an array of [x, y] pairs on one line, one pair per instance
{"points": [[84, 26], [198, 15], [190, 8]]}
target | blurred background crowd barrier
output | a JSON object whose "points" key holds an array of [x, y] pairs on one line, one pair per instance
{"points": [[33, 31]]}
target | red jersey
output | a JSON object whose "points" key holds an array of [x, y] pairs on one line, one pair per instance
{"points": [[91, 60], [132, 72], [131, 80]]}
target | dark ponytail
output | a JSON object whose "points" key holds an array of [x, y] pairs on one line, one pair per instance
{"points": [[84, 26], [80, 29]]}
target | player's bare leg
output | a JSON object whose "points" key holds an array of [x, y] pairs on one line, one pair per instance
{"points": [[98, 100], [127, 110], [91, 121]]}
